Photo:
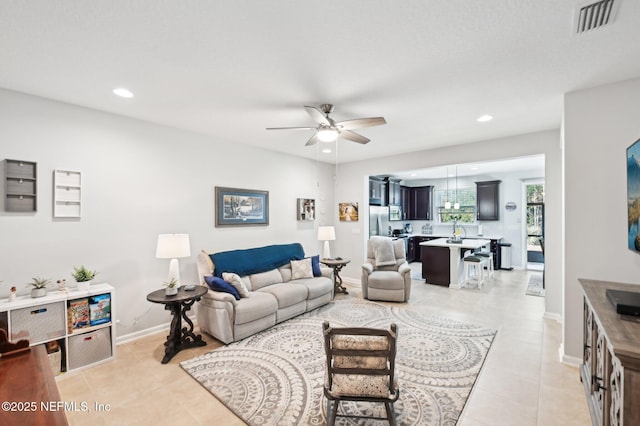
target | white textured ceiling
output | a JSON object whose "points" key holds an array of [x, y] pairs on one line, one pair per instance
{"points": [[230, 69]]}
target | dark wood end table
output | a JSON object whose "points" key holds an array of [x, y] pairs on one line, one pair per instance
{"points": [[337, 265], [179, 337]]}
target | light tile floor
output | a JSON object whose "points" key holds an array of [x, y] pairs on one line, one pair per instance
{"points": [[521, 383]]}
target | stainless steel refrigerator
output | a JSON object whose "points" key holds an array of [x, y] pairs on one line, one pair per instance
{"points": [[379, 221]]}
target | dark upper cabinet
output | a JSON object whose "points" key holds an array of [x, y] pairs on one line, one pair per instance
{"points": [[377, 191], [488, 200], [405, 194], [393, 192], [419, 204]]}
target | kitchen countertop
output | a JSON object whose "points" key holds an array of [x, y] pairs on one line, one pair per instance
{"points": [[467, 243], [468, 236]]}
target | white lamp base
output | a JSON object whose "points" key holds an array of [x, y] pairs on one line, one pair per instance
{"points": [[326, 254], [174, 270]]}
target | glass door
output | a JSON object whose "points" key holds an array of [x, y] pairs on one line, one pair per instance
{"points": [[535, 222]]}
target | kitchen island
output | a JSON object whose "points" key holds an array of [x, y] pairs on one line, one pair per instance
{"points": [[442, 260]]}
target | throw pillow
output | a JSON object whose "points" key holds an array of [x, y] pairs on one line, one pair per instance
{"points": [[315, 265], [301, 269], [236, 282], [218, 284]]}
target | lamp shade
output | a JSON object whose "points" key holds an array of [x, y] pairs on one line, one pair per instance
{"points": [[326, 233], [173, 246]]}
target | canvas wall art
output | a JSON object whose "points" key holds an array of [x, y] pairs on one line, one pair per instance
{"points": [[348, 212], [633, 196], [240, 207]]}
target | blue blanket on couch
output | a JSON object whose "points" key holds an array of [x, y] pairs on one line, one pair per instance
{"points": [[256, 260]]}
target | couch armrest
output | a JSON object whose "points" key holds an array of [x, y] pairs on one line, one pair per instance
{"points": [[221, 296], [327, 272], [404, 269], [367, 268]]}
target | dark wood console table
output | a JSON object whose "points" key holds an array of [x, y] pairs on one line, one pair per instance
{"points": [[610, 372], [26, 381], [179, 337]]}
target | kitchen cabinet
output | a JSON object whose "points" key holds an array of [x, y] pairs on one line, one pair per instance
{"points": [[394, 196], [404, 202], [377, 191], [414, 254], [488, 200], [420, 203], [610, 371]]}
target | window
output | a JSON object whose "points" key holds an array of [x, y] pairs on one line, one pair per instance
{"points": [[467, 199], [535, 216]]}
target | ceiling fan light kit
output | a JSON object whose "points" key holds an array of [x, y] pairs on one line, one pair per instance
{"points": [[328, 130]]}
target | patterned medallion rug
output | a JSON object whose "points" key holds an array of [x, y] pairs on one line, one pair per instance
{"points": [[276, 376]]}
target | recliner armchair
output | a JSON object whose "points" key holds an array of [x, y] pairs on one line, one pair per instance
{"points": [[386, 275]]}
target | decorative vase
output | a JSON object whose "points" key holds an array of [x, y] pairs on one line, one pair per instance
{"points": [[171, 291], [84, 285], [38, 292]]}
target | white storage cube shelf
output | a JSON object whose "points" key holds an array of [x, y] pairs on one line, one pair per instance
{"points": [[66, 193], [45, 320]]}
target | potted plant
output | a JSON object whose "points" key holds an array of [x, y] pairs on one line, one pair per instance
{"points": [[83, 276], [39, 286], [171, 287]]}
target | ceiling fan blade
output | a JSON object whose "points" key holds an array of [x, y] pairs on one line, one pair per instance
{"points": [[359, 123], [291, 128], [354, 137], [317, 115], [312, 140]]}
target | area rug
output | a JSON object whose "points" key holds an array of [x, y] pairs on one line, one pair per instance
{"points": [[534, 288], [276, 377]]}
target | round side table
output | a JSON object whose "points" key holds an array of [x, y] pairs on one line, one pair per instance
{"points": [[337, 265], [179, 338]]}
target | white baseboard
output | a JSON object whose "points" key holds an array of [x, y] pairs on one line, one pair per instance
{"points": [[566, 359], [126, 338]]}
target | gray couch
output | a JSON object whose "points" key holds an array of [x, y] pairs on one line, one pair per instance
{"points": [[273, 297]]}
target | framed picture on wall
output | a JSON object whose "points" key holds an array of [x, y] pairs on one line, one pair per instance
{"points": [[633, 196], [348, 212], [241, 207], [306, 208]]}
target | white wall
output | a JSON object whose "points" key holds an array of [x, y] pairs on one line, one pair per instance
{"points": [[139, 180], [352, 185], [599, 125]]}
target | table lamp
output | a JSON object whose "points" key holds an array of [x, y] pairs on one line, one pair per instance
{"points": [[326, 234], [173, 246]]}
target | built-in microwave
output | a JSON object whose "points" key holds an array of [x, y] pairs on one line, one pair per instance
{"points": [[395, 212]]}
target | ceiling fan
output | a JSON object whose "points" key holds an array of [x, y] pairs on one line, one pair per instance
{"points": [[329, 130]]}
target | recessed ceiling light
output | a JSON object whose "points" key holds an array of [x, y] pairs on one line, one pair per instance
{"points": [[474, 168], [414, 174], [326, 151], [484, 118], [123, 93]]}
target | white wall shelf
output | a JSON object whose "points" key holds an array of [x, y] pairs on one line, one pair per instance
{"points": [[66, 193], [45, 321]]}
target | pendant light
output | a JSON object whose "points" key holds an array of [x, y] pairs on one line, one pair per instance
{"points": [[447, 204], [456, 204]]}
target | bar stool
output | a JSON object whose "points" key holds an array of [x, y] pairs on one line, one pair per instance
{"points": [[489, 263], [474, 266]]}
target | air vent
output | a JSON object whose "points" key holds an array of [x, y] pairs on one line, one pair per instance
{"points": [[595, 15]]}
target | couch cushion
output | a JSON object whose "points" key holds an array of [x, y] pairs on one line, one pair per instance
{"points": [[256, 260], [387, 280], [285, 271], [287, 294], [301, 269], [316, 287], [265, 279], [257, 305]]}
